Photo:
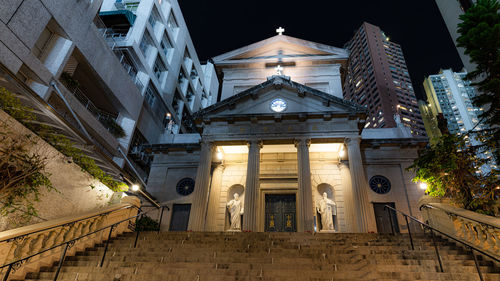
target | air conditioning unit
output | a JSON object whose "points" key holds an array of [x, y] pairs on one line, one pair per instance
{"points": [[135, 152]]}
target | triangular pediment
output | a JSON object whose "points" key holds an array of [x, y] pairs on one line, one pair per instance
{"points": [[299, 99], [281, 47]]}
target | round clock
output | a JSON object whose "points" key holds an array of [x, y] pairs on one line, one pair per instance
{"points": [[380, 184], [278, 105], [185, 186]]}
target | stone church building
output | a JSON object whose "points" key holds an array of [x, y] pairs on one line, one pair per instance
{"points": [[283, 138]]}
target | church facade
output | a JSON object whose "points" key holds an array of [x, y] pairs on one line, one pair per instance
{"points": [[283, 151]]}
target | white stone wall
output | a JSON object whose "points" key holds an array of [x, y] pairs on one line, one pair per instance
{"points": [[324, 78], [391, 162]]}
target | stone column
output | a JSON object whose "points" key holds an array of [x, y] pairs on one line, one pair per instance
{"points": [[199, 205], [214, 199], [349, 208], [305, 190], [358, 183], [252, 186]]}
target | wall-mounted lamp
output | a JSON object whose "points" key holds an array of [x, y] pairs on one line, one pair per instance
{"points": [[341, 152], [423, 185], [135, 187], [219, 155]]}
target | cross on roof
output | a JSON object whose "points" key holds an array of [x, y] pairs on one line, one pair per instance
{"points": [[280, 30], [279, 70]]}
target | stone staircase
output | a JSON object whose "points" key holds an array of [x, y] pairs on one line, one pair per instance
{"points": [[199, 256]]}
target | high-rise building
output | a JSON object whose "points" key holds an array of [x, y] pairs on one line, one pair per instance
{"points": [[450, 94], [377, 78]]}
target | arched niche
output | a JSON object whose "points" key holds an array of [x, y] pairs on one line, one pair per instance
{"points": [[324, 187], [330, 192], [235, 188]]}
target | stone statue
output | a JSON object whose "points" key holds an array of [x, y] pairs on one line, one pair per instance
{"points": [[235, 208], [327, 208]]}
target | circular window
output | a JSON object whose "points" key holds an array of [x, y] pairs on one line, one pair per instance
{"points": [[185, 186], [278, 105], [380, 184]]}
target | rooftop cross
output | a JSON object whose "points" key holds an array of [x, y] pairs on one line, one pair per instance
{"points": [[280, 30], [279, 70]]}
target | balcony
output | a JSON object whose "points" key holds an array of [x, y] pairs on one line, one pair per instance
{"points": [[107, 119], [129, 66]]}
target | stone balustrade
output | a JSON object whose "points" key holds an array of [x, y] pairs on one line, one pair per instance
{"points": [[23, 242], [480, 231]]}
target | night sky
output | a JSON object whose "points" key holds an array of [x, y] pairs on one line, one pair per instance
{"points": [[220, 26]]}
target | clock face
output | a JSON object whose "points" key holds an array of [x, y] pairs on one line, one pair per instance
{"points": [[278, 105]]}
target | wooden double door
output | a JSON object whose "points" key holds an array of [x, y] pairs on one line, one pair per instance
{"points": [[280, 213]]}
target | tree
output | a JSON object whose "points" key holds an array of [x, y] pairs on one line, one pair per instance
{"points": [[480, 36], [450, 168]]}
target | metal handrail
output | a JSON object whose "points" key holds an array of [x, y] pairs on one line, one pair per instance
{"points": [[62, 224], [432, 230], [68, 244], [455, 214]]}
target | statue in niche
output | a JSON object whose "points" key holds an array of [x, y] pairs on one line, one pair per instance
{"points": [[327, 208], [235, 208]]}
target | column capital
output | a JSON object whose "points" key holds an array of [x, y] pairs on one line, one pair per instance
{"points": [[207, 143], [255, 142], [352, 140], [302, 141]]}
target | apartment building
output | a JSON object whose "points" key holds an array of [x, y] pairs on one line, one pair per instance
{"points": [[122, 73], [378, 78]]}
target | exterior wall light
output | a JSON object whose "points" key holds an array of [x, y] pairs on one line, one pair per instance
{"points": [[219, 155], [135, 187], [423, 185]]}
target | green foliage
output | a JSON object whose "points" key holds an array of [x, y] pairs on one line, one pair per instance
{"points": [[450, 169], [22, 174], [480, 36], [69, 81], [146, 223], [114, 128], [11, 104]]}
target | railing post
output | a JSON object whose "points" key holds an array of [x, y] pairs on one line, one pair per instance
{"points": [[7, 273], [390, 218], [409, 232], [61, 261], [161, 218], [137, 232], [477, 265], [107, 244], [436, 249]]}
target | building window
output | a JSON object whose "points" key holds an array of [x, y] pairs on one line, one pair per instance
{"points": [[150, 96], [159, 68], [166, 46], [172, 25], [146, 42]]}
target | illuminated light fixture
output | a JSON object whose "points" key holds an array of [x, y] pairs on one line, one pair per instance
{"points": [[219, 155], [423, 185], [341, 152], [135, 187]]}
